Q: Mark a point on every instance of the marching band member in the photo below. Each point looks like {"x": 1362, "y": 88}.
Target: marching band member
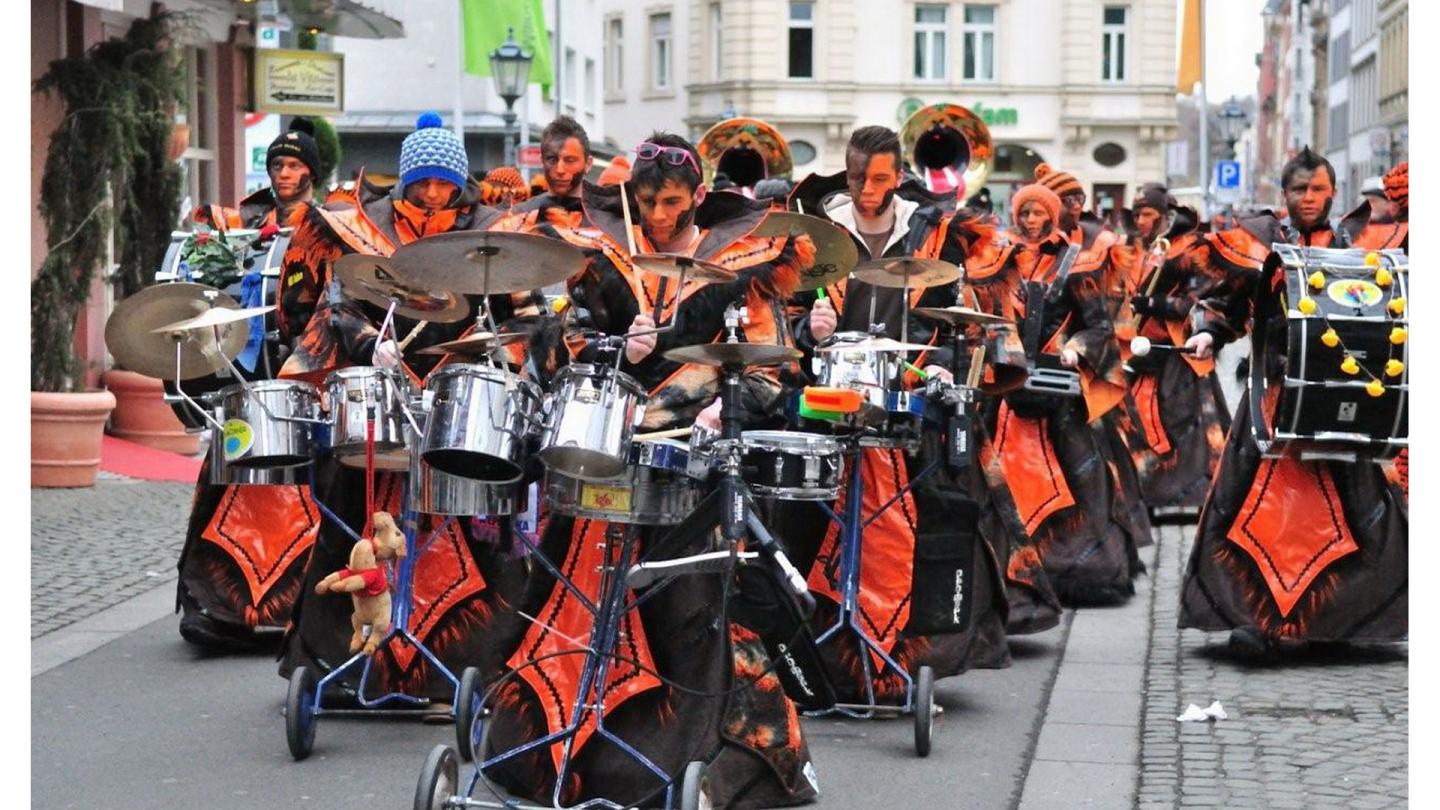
{"x": 762, "y": 756}
{"x": 461, "y": 581}
{"x": 246, "y": 546}
{"x": 1287, "y": 549}
{"x": 886, "y": 220}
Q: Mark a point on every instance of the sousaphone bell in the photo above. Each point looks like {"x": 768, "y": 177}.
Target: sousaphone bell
{"x": 949, "y": 147}
{"x": 747, "y": 150}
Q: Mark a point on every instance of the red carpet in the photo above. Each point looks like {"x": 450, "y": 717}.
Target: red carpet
{"x": 138, "y": 461}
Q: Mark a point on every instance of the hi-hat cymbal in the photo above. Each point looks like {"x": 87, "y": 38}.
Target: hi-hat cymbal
{"x": 907, "y": 271}
{"x": 376, "y": 279}
{"x": 132, "y": 333}
{"x": 960, "y": 316}
{"x": 517, "y": 262}
{"x": 874, "y": 345}
{"x": 476, "y": 344}
{"x": 725, "y": 354}
{"x": 835, "y": 251}
{"x": 670, "y": 265}
{"x": 218, "y": 316}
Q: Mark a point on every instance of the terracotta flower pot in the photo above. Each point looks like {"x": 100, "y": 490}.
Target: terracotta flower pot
{"x": 143, "y": 416}
{"x": 65, "y": 433}
{"x": 179, "y": 140}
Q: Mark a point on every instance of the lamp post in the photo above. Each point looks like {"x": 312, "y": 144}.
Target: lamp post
{"x": 510, "y": 67}
{"x": 1232, "y": 122}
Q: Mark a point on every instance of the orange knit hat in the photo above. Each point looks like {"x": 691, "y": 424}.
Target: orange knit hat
{"x": 1397, "y": 185}
{"x": 1036, "y": 193}
{"x": 1061, "y": 183}
{"x": 616, "y": 173}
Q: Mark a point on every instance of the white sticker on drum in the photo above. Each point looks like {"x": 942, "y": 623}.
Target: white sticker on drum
{"x": 1347, "y": 411}
{"x": 237, "y": 437}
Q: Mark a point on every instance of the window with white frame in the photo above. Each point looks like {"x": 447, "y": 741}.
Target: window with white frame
{"x": 802, "y": 41}
{"x": 199, "y": 162}
{"x": 1112, "y": 50}
{"x": 615, "y": 55}
{"x": 660, "y": 52}
{"x": 717, "y": 44}
{"x": 589, "y": 85}
{"x": 930, "y": 25}
{"x": 979, "y": 36}
{"x": 572, "y": 87}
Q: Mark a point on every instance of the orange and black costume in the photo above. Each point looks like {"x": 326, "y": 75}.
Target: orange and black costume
{"x": 1286, "y": 548}
{"x": 737, "y": 717}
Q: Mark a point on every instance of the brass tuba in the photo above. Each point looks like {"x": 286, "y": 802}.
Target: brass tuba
{"x": 747, "y": 150}
{"x": 947, "y": 136}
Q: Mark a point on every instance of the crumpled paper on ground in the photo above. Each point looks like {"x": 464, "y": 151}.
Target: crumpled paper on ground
{"x": 1195, "y": 714}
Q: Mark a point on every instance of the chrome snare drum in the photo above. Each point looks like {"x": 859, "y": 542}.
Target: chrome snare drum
{"x": 869, "y": 372}
{"x": 266, "y": 424}
{"x": 654, "y": 490}
{"x": 480, "y": 418}
{"x": 589, "y": 422}
{"x": 348, "y": 392}
{"x": 791, "y": 465}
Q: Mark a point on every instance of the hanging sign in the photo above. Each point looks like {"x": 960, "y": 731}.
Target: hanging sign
{"x": 299, "y": 82}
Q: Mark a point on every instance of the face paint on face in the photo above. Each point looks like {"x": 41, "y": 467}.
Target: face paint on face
{"x": 1034, "y": 221}
{"x": 1308, "y": 197}
{"x": 431, "y": 193}
{"x": 872, "y": 180}
{"x": 289, "y": 178}
{"x": 1148, "y": 221}
{"x": 666, "y": 214}
{"x": 1072, "y": 205}
{"x": 565, "y": 166}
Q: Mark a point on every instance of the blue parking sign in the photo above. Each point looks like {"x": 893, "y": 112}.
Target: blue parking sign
{"x": 1227, "y": 174}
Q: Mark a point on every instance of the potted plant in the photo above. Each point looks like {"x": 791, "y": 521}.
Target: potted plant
{"x": 107, "y": 174}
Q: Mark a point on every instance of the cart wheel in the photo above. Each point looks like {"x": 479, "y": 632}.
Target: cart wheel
{"x": 300, "y": 713}
{"x": 695, "y": 788}
{"x": 467, "y": 706}
{"x": 439, "y": 779}
{"x": 924, "y": 706}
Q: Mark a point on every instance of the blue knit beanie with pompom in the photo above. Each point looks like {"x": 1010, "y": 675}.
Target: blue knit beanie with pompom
{"x": 432, "y": 151}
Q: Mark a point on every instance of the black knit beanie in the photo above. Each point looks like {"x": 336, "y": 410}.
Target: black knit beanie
{"x": 298, "y": 142}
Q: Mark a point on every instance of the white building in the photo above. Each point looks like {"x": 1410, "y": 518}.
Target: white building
{"x": 1087, "y": 87}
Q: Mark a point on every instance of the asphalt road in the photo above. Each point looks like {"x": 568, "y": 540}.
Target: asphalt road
{"x": 144, "y": 722}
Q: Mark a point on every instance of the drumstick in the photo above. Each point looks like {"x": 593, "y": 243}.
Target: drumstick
{"x": 977, "y": 367}
{"x": 625, "y": 208}
{"x": 414, "y": 333}
{"x": 674, "y": 433}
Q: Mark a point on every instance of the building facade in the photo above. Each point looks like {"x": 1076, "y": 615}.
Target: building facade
{"x": 1395, "y": 78}
{"x": 1086, "y": 87}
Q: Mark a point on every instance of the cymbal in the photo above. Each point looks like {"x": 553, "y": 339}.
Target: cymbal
{"x": 219, "y": 316}
{"x": 960, "y": 316}
{"x": 835, "y": 251}
{"x": 873, "y": 345}
{"x": 895, "y": 272}
{"x": 724, "y": 354}
{"x": 377, "y": 280}
{"x": 670, "y": 265}
{"x": 134, "y": 335}
{"x": 517, "y": 262}
{"x": 476, "y": 344}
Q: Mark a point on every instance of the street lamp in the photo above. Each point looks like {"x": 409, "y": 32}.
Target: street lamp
{"x": 1232, "y": 122}
{"x": 510, "y": 67}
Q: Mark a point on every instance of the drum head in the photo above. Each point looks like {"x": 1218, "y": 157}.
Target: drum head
{"x": 473, "y": 465}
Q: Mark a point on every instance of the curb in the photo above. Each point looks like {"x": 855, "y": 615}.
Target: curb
{"x": 64, "y": 645}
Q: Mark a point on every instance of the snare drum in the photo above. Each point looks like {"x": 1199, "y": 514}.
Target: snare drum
{"x": 480, "y": 418}
{"x": 590, "y": 419}
{"x": 870, "y": 373}
{"x": 792, "y": 466}
{"x": 655, "y": 490}
{"x": 348, "y": 392}
{"x": 257, "y": 431}
{"x": 1320, "y": 407}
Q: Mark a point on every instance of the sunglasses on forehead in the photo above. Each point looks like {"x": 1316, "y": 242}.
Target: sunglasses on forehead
{"x": 674, "y": 155}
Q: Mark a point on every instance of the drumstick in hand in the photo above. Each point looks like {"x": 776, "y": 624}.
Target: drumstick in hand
{"x": 414, "y": 333}
{"x": 977, "y": 367}
{"x": 673, "y": 433}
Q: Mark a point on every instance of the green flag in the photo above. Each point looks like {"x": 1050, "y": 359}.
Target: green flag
{"x": 487, "y": 22}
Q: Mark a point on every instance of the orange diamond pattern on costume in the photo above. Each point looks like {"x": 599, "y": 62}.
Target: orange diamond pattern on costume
{"x": 1292, "y": 526}
{"x": 445, "y": 576}
{"x": 264, "y": 530}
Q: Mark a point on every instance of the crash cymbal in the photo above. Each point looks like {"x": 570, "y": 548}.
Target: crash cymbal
{"x": 376, "y": 279}
{"x": 218, "y": 316}
{"x": 960, "y": 316}
{"x": 132, "y": 333}
{"x": 670, "y": 265}
{"x": 874, "y": 345}
{"x": 897, "y": 271}
{"x": 517, "y": 262}
{"x": 724, "y": 354}
{"x": 476, "y": 344}
{"x": 835, "y": 251}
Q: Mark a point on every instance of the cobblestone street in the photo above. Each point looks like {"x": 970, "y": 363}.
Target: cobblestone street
{"x": 93, "y": 548}
{"x": 1327, "y": 728}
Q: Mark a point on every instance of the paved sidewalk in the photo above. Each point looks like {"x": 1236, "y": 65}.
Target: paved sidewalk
{"x": 1325, "y": 729}
{"x": 93, "y": 548}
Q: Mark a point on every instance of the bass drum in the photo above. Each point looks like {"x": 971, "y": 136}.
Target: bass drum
{"x": 268, "y": 257}
{"x": 1333, "y": 381}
